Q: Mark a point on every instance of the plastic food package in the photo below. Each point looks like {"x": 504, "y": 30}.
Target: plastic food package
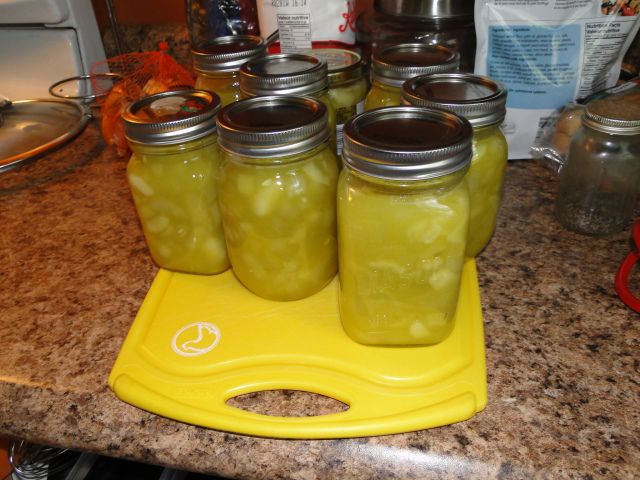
{"x": 548, "y": 55}
{"x": 141, "y": 74}
{"x": 306, "y": 24}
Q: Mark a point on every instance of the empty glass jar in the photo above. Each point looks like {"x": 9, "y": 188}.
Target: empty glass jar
{"x": 598, "y": 184}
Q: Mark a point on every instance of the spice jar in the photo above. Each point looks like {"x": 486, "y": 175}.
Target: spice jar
{"x": 394, "y": 65}
{"x": 347, "y": 85}
{"x": 217, "y": 64}
{"x": 277, "y": 195}
{"x": 289, "y": 74}
{"x": 172, "y": 174}
{"x": 482, "y": 101}
{"x": 403, "y": 217}
{"x": 598, "y": 184}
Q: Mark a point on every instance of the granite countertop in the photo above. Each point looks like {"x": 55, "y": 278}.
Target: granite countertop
{"x": 561, "y": 349}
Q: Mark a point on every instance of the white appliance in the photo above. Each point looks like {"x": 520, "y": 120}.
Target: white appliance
{"x": 44, "y": 41}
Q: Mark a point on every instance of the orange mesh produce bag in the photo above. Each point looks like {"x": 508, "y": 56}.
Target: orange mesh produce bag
{"x": 141, "y": 74}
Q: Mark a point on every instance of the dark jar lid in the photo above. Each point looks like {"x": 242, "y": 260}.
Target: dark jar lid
{"x": 407, "y": 143}
{"x": 228, "y": 53}
{"x": 267, "y": 127}
{"x": 395, "y": 64}
{"x": 171, "y": 117}
{"x": 283, "y": 74}
{"x": 479, "y": 99}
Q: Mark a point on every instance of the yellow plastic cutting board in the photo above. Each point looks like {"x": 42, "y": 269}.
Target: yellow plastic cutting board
{"x": 198, "y": 341}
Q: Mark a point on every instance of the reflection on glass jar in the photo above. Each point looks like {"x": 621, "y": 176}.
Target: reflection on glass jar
{"x": 403, "y": 213}
{"x": 482, "y": 101}
{"x": 277, "y": 195}
{"x": 172, "y": 174}
{"x": 599, "y": 183}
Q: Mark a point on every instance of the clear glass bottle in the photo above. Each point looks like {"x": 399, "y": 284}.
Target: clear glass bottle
{"x": 289, "y": 74}
{"x": 598, "y": 185}
{"x": 394, "y": 65}
{"x": 217, "y": 64}
{"x": 172, "y": 174}
{"x": 347, "y": 85}
{"x": 403, "y": 217}
{"x": 278, "y": 195}
{"x": 482, "y": 101}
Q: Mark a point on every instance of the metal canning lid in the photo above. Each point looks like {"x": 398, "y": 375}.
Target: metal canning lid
{"x": 407, "y": 143}
{"x": 431, "y": 9}
{"x": 271, "y": 126}
{"x": 342, "y": 65}
{"x": 395, "y": 64}
{"x": 171, "y": 117}
{"x": 283, "y": 74}
{"x": 479, "y": 99}
{"x": 227, "y": 53}
{"x": 615, "y": 116}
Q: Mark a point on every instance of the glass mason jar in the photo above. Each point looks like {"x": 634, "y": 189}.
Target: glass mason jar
{"x": 394, "y": 65}
{"x": 217, "y": 64}
{"x": 403, "y": 217}
{"x": 289, "y": 74}
{"x": 347, "y": 85}
{"x": 278, "y": 195}
{"x": 172, "y": 174}
{"x": 482, "y": 101}
{"x": 598, "y": 184}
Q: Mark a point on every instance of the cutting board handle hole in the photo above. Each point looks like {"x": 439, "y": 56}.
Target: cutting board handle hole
{"x": 287, "y": 403}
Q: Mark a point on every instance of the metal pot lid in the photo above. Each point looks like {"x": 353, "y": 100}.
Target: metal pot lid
{"x": 31, "y": 128}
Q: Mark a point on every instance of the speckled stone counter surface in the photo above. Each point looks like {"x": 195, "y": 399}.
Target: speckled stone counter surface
{"x": 561, "y": 349}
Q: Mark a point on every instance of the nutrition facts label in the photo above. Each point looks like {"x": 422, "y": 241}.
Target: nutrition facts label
{"x": 295, "y": 32}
